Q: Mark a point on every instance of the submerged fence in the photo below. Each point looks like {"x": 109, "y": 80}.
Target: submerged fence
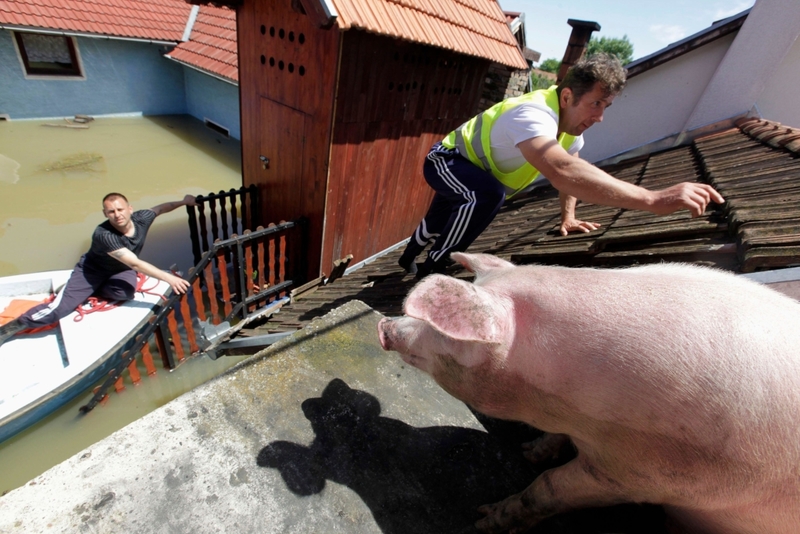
{"x": 233, "y": 279}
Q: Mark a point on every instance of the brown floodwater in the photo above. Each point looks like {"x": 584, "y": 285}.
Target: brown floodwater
{"x": 52, "y": 180}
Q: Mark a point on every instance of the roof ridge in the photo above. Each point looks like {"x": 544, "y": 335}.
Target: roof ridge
{"x": 771, "y": 133}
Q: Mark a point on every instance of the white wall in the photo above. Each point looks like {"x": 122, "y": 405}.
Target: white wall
{"x": 755, "y": 70}
{"x": 656, "y": 103}
{"x": 753, "y": 60}
{"x": 780, "y": 100}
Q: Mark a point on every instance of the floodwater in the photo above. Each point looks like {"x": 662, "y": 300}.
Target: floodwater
{"x": 52, "y": 181}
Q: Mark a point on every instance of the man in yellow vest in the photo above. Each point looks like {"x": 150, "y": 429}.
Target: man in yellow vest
{"x": 509, "y": 148}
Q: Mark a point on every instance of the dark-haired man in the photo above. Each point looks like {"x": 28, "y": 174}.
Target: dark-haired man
{"x": 108, "y": 270}
{"x": 509, "y": 149}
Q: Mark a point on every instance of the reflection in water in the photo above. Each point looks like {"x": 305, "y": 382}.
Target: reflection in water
{"x": 52, "y": 181}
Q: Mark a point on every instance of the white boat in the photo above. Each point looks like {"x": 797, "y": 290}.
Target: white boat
{"x": 43, "y": 371}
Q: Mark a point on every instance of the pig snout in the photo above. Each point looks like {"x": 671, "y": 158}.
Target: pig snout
{"x": 386, "y": 333}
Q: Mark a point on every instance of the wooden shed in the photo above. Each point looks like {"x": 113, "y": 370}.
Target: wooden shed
{"x": 340, "y": 101}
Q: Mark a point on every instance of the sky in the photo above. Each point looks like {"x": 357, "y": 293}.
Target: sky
{"x": 649, "y": 24}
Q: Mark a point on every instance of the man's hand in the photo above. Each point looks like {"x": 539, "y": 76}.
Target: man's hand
{"x": 178, "y": 284}
{"x": 166, "y": 207}
{"x": 576, "y": 225}
{"x": 687, "y": 195}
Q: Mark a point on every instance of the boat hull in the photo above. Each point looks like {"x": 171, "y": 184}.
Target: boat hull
{"x": 41, "y": 372}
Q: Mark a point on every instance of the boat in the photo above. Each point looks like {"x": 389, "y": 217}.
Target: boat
{"x": 42, "y": 371}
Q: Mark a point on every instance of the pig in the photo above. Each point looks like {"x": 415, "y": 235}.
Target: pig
{"x": 677, "y": 385}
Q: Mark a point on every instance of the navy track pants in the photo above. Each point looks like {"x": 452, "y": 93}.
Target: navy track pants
{"x": 82, "y": 284}
{"x": 467, "y": 200}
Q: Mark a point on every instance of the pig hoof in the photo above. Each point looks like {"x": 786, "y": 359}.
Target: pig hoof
{"x": 505, "y": 516}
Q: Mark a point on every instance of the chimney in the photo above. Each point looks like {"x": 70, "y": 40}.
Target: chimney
{"x": 581, "y": 32}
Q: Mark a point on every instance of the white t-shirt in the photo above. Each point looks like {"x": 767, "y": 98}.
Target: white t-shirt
{"x": 521, "y": 123}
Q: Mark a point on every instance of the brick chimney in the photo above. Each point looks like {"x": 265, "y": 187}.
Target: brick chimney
{"x": 581, "y": 32}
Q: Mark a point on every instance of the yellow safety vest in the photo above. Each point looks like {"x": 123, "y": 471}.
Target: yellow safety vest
{"x": 473, "y": 138}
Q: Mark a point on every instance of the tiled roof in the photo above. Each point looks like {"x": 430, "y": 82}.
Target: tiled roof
{"x": 471, "y": 27}
{"x": 755, "y": 166}
{"x": 161, "y": 20}
{"x": 212, "y": 44}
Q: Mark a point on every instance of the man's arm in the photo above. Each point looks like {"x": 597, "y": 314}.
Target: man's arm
{"x": 569, "y": 223}
{"x": 576, "y": 177}
{"x": 178, "y": 284}
{"x": 167, "y": 207}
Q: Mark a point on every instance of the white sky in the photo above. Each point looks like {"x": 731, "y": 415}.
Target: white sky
{"x": 649, "y": 24}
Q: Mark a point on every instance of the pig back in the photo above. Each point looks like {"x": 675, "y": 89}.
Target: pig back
{"x": 668, "y": 349}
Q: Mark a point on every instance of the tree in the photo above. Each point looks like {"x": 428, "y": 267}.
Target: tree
{"x": 550, "y": 65}
{"x": 622, "y": 48}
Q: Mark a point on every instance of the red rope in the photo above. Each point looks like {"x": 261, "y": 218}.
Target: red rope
{"x": 95, "y": 304}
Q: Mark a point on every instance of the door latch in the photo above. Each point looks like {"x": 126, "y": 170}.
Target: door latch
{"x": 264, "y": 162}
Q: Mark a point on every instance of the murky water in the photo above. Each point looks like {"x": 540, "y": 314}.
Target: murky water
{"x": 52, "y": 180}
{"x": 67, "y": 432}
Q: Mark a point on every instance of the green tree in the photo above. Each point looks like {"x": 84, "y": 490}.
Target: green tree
{"x": 550, "y": 65}
{"x": 622, "y": 48}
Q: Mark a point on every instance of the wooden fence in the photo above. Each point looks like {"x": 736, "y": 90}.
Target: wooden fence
{"x": 236, "y": 277}
{"x": 220, "y": 216}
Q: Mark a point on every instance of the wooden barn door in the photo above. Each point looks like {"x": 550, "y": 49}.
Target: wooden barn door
{"x": 282, "y": 140}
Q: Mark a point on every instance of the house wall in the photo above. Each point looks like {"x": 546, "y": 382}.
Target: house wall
{"x": 395, "y": 100}
{"x": 120, "y": 77}
{"x": 210, "y": 98}
{"x": 754, "y": 59}
{"x": 287, "y": 76}
{"x": 779, "y": 101}
{"x": 655, "y": 104}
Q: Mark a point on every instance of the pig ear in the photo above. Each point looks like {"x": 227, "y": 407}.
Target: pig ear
{"x": 480, "y": 263}
{"x": 455, "y": 308}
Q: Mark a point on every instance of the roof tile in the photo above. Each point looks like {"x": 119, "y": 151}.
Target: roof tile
{"x": 152, "y": 19}
{"x": 471, "y": 27}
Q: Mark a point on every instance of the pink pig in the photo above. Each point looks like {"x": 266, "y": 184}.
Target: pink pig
{"x": 678, "y": 385}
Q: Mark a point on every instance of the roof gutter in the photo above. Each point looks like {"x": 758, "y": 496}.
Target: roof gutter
{"x": 89, "y": 35}
{"x": 198, "y": 69}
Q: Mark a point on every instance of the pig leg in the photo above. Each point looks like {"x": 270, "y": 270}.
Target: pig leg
{"x": 549, "y": 447}
{"x": 576, "y": 484}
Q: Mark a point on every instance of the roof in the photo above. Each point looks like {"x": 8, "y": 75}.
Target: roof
{"x": 161, "y": 20}
{"x": 471, "y": 27}
{"x": 755, "y": 166}
{"x": 718, "y": 29}
{"x": 211, "y": 47}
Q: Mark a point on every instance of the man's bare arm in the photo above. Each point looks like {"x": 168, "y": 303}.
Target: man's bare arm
{"x": 167, "y": 207}
{"x": 576, "y": 177}
{"x": 570, "y": 223}
{"x": 178, "y": 284}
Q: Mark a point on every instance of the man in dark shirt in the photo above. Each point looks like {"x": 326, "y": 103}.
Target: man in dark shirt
{"x": 108, "y": 270}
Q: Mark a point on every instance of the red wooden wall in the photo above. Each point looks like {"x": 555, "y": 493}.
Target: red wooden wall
{"x": 287, "y": 74}
{"x": 395, "y": 99}
{"x": 345, "y": 134}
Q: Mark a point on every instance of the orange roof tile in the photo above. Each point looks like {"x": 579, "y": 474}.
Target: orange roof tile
{"x": 472, "y": 27}
{"x": 212, "y": 44}
{"x": 160, "y": 20}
